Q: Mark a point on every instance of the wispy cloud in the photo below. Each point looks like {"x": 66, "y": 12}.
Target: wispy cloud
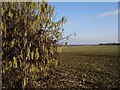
{"x": 110, "y": 13}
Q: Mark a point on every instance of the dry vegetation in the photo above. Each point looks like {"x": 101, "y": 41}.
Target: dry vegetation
{"x": 29, "y": 52}
{"x": 91, "y": 67}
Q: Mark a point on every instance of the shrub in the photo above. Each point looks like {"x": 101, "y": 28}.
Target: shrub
{"x": 30, "y": 37}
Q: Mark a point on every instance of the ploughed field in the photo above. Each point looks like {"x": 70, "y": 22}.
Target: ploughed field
{"x": 91, "y": 67}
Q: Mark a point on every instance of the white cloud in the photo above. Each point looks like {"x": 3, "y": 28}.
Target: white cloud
{"x": 111, "y": 13}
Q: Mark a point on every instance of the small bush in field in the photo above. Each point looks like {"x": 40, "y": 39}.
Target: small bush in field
{"x": 29, "y": 42}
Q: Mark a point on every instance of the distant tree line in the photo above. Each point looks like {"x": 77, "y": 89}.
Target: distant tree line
{"x": 109, "y": 44}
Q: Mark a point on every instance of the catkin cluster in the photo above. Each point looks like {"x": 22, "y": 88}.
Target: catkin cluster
{"x": 30, "y": 36}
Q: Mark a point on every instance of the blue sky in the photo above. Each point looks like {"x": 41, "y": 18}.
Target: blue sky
{"x": 93, "y": 22}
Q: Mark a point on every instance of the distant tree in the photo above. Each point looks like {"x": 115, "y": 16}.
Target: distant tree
{"x": 29, "y": 42}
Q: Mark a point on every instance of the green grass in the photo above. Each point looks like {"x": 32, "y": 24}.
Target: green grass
{"x": 97, "y": 65}
{"x": 92, "y": 50}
